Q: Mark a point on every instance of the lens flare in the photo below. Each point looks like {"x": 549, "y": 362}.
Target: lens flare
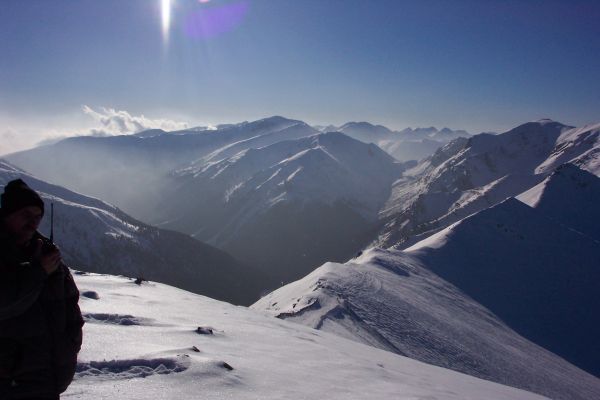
{"x": 166, "y": 18}
{"x": 208, "y": 22}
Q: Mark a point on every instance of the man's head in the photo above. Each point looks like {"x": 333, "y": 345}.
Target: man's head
{"x": 22, "y": 210}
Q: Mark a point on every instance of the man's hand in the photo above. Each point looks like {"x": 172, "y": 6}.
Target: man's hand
{"x": 50, "y": 260}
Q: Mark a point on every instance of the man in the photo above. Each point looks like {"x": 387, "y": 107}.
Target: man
{"x": 40, "y": 321}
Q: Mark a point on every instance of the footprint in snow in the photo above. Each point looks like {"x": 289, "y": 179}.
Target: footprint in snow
{"x": 132, "y": 368}
{"x": 116, "y": 319}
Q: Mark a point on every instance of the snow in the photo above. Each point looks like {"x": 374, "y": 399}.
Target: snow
{"x": 466, "y": 176}
{"x": 530, "y": 268}
{"x": 248, "y": 356}
{"x": 575, "y": 145}
{"x": 510, "y": 258}
{"x": 322, "y": 169}
{"x": 390, "y": 300}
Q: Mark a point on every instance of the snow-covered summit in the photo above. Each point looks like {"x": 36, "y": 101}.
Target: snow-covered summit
{"x": 262, "y": 139}
{"x": 366, "y": 132}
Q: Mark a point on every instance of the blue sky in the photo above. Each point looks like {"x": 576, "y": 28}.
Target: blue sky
{"x": 476, "y": 65}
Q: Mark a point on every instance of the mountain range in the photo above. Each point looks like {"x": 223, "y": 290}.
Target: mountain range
{"x": 469, "y": 175}
{"x": 485, "y": 250}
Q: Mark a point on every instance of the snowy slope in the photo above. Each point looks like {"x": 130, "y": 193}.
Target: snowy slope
{"x": 321, "y": 168}
{"x": 296, "y": 203}
{"x": 466, "y": 176}
{"x": 570, "y": 196}
{"x": 390, "y": 300}
{"x": 296, "y": 131}
{"x": 579, "y": 145}
{"x": 535, "y": 274}
{"x": 468, "y": 202}
{"x": 138, "y": 344}
{"x": 96, "y": 236}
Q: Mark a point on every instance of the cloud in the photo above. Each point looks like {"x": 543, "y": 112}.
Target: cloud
{"x": 23, "y": 133}
{"x": 6, "y": 140}
{"x": 118, "y": 122}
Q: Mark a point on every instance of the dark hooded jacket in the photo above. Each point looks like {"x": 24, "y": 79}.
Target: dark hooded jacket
{"x": 40, "y": 325}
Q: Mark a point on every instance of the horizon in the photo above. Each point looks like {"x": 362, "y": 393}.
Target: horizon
{"x": 96, "y": 133}
{"x": 119, "y": 67}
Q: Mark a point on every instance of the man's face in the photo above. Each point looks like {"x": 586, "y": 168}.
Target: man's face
{"x": 23, "y": 223}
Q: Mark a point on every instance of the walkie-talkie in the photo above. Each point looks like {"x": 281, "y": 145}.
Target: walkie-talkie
{"x": 48, "y": 244}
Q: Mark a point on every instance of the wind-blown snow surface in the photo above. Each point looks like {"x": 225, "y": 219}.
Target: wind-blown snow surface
{"x": 248, "y": 356}
{"x": 390, "y": 300}
{"x": 96, "y": 236}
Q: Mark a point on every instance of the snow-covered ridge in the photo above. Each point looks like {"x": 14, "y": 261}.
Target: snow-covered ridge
{"x": 322, "y": 168}
{"x": 577, "y": 145}
{"x": 466, "y": 176}
{"x": 148, "y": 347}
{"x": 536, "y": 274}
{"x": 390, "y": 300}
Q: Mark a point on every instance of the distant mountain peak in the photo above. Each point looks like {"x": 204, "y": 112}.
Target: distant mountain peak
{"x": 357, "y": 123}
{"x": 364, "y": 125}
{"x": 546, "y": 121}
{"x": 543, "y": 123}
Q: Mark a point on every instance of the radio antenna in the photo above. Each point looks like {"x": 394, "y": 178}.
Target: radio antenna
{"x": 52, "y": 222}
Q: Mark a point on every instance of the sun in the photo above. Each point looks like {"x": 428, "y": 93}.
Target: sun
{"x": 166, "y": 18}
